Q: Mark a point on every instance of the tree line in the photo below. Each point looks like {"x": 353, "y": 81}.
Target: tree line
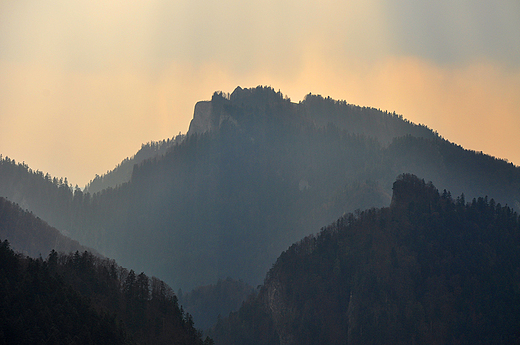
{"x": 80, "y": 298}
{"x": 429, "y": 269}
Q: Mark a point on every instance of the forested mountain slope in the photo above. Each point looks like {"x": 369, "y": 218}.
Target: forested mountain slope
{"x": 30, "y": 235}
{"x": 50, "y": 198}
{"x": 255, "y": 173}
{"x": 207, "y": 303}
{"x": 429, "y": 269}
{"x": 83, "y": 299}
{"x": 123, "y": 171}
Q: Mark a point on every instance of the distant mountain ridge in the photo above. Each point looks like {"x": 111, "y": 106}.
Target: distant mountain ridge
{"x": 32, "y": 236}
{"x": 123, "y": 171}
{"x": 207, "y": 303}
{"x": 255, "y": 173}
{"x": 314, "y": 110}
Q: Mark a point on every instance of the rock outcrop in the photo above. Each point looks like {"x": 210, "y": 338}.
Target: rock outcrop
{"x": 201, "y": 121}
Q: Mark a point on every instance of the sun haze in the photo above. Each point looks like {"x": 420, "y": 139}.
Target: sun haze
{"x": 84, "y": 83}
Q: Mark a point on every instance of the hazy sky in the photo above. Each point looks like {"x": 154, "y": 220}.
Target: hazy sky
{"x": 84, "y": 83}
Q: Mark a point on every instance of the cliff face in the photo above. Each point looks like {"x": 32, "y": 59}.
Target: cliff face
{"x": 275, "y": 301}
{"x": 246, "y": 108}
{"x": 209, "y": 116}
{"x": 201, "y": 121}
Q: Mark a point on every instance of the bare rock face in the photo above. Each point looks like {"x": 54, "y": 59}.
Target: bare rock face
{"x": 201, "y": 121}
{"x": 279, "y": 311}
{"x": 209, "y": 116}
{"x": 222, "y": 109}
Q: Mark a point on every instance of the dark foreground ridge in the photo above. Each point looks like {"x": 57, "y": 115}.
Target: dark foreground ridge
{"x": 83, "y": 299}
{"x": 429, "y": 269}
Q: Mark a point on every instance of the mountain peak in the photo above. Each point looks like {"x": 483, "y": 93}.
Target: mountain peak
{"x": 408, "y": 189}
{"x": 264, "y": 109}
{"x": 259, "y": 94}
{"x": 209, "y": 115}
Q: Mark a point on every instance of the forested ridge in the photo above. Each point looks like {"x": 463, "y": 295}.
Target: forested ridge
{"x": 255, "y": 173}
{"x": 31, "y": 235}
{"x": 429, "y": 269}
{"x": 123, "y": 171}
{"x": 79, "y": 298}
{"x": 207, "y": 303}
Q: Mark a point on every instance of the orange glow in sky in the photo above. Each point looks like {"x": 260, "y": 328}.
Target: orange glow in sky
{"x": 84, "y": 83}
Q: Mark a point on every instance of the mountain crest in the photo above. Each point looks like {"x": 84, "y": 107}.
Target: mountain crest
{"x": 408, "y": 189}
{"x": 210, "y": 115}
